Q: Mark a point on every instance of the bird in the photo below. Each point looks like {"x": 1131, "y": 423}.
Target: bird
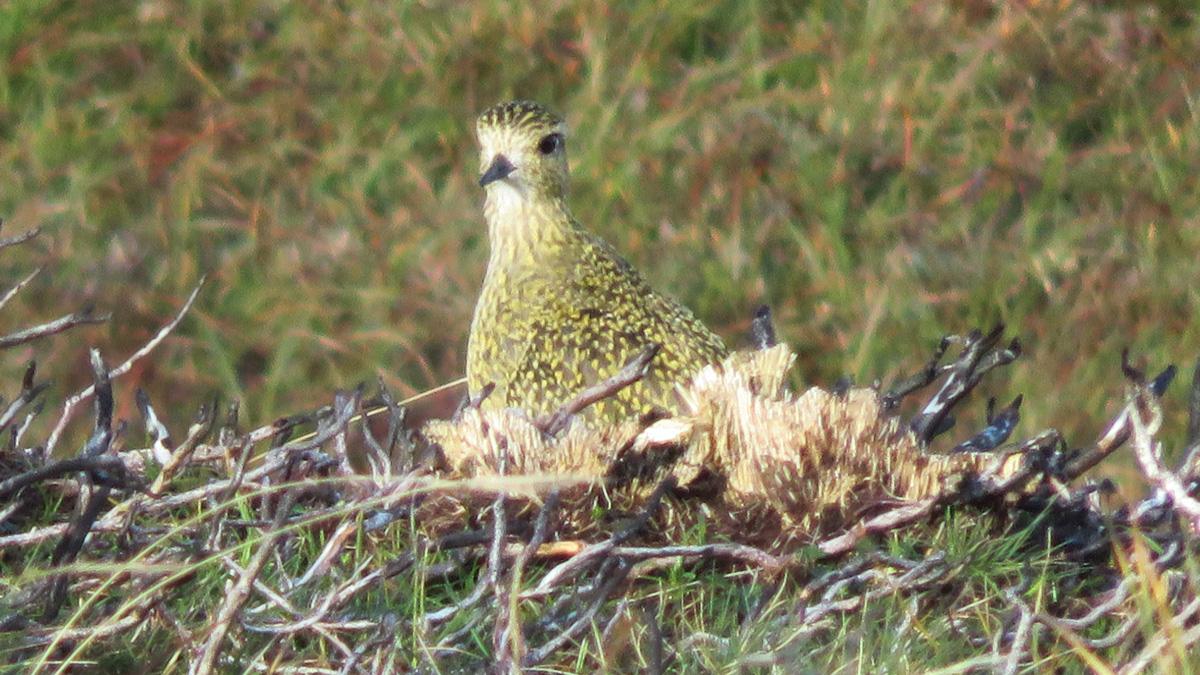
{"x": 560, "y": 310}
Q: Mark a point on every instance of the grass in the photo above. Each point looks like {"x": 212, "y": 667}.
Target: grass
{"x": 879, "y": 174}
{"x": 701, "y": 612}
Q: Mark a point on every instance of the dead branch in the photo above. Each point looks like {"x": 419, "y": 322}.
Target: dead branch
{"x": 95, "y": 498}
{"x": 511, "y": 647}
{"x": 736, "y": 552}
{"x": 178, "y": 458}
{"x": 237, "y": 596}
{"x": 595, "y": 553}
{"x": 875, "y": 584}
{"x": 328, "y": 555}
{"x": 492, "y": 574}
{"x": 12, "y": 292}
{"x": 1019, "y": 647}
{"x": 71, "y": 403}
{"x": 29, "y": 393}
{"x": 20, "y": 238}
{"x": 979, "y": 355}
{"x": 904, "y": 515}
{"x": 603, "y": 589}
{"x": 762, "y": 328}
{"x": 1043, "y": 455}
{"x": 1000, "y": 427}
{"x": 922, "y": 378}
{"x": 84, "y": 316}
{"x": 1146, "y": 418}
{"x": 380, "y": 456}
{"x": 1157, "y": 643}
{"x": 631, "y": 372}
{"x": 108, "y": 629}
{"x": 154, "y": 427}
{"x": 106, "y": 464}
{"x": 277, "y": 460}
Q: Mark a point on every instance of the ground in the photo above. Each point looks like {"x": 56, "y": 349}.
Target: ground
{"x": 878, "y": 174}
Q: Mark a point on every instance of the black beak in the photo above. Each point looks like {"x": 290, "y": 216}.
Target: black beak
{"x": 499, "y": 170}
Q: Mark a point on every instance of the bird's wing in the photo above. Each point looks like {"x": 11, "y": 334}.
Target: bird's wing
{"x": 601, "y": 316}
{"x": 581, "y": 338}
{"x": 574, "y": 347}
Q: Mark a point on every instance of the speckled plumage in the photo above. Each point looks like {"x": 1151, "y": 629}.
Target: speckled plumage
{"x": 560, "y": 309}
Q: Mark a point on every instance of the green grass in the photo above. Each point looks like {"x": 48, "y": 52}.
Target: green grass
{"x": 701, "y": 611}
{"x": 878, "y": 174}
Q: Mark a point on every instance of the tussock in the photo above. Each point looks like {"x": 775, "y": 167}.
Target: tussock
{"x": 743, "y": 440}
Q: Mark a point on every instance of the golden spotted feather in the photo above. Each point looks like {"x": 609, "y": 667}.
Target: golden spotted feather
{"x": 560, "y": 309}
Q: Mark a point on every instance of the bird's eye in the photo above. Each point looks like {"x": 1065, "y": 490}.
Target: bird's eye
{"x": 550, "y": 143}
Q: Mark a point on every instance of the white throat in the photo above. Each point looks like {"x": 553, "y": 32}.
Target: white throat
{"x": 505, "y": 199}
{"x": 509, "y": 214}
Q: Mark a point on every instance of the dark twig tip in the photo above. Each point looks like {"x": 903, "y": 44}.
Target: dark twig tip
{"x": 142, "y": 399}
{"x": 1193, "y": 427}
{"x": 762, "y": 328}
{"x": 27, "y": 378}
{"x": 1131, "y": 373}
{"x": 1158, "y": 386}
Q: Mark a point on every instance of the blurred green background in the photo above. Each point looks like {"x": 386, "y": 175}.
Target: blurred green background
{"x": 878, "y": 173}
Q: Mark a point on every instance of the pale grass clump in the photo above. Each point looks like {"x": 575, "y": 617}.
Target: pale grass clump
{"x": 811, "y": 459}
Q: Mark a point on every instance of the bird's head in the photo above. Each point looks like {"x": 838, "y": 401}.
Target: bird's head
{"x": 522, "y": 151}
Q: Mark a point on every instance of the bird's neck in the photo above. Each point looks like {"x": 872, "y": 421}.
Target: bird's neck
{"x": 526, "y": 228}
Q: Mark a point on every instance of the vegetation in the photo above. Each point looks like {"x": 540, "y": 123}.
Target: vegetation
{"x": 878, "y": 174}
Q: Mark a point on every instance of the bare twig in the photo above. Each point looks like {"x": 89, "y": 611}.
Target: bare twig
{"x": 158, "y": 432}
{"x": 512, "y": 642}
{"x": 108, "y": 464}
{"x": 976, "y": 359}
{"x": 1156, "y": 644}
{"x": 333, "y": 547}
{"x": 1104, "y": 610}
{"x": 20, "y": 238}
{"x": 990, "y": 485}
{"x": 68, "y": 548}
{"x": 604, "y": 588}
{"x": 495, "y": 560}
{"x": 179, "y": 457}
{"x": 62, "y": 323}
{"x": 95, "y": 499}
{"x": 29, "y": 392}
{"x": 1149, "y": 453}
{"x": 69, "y": 405}
{"x": 908, "y": 513}
{"x": 12, "y": 292}
{"x": 108, "y": 629}
{"x": 1000, "y": 427}
{"x": 277, "y": 460}
{"x": 472, "y": 401}
{"x": 602, "y": 550}
{"x": 922, "y": 378}
{"x": 237, "y": 596}
{"x": 737, "y": 552}
{"x": 380, "y": 455}
{"x": 875, "y": 583}
{"x": 762, "y": 328}
{"x": 1021, "y": 636}
{"x": 631, "y": 372}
